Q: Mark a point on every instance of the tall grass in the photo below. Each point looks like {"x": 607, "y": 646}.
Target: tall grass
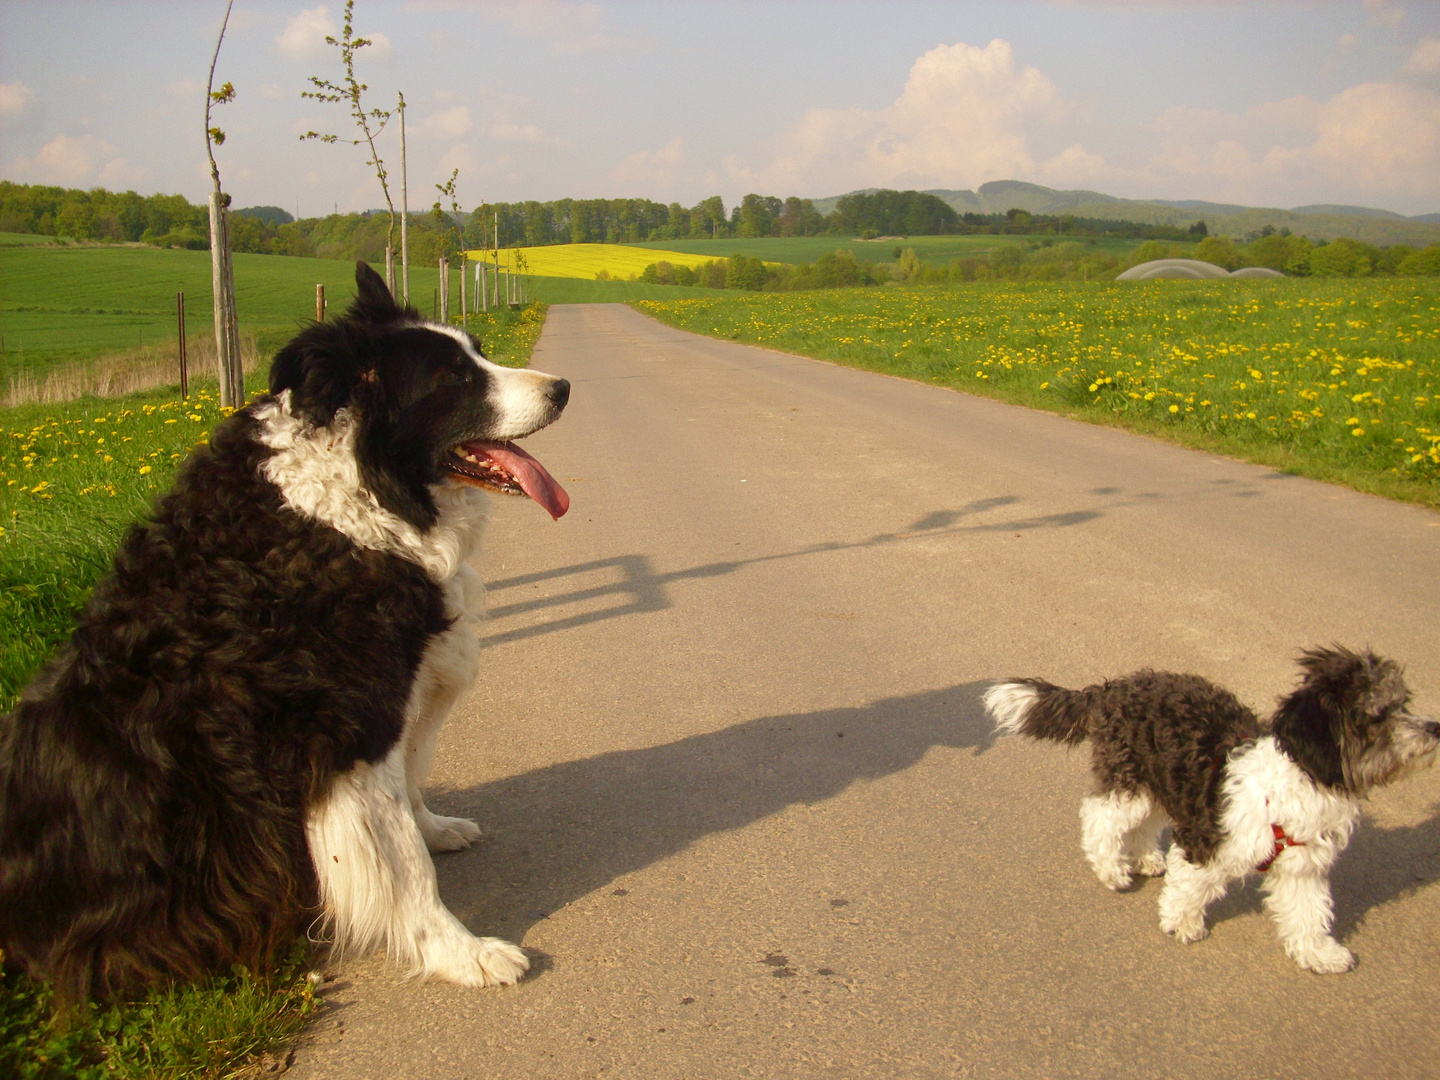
{"x": 1337, "y": 379}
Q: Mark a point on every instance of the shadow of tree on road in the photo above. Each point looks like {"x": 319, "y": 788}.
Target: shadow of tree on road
{"x": 564, "y": 831}
{"x": 637, "y": 587}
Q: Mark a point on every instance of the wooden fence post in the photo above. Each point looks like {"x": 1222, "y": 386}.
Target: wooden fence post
{"x": 463, "y": 312}
{"x": 319, "y": 302}
{"x": 180, "y": 319}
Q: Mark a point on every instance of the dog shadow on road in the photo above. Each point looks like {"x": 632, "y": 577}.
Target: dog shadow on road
{"x": 561, "y": 832}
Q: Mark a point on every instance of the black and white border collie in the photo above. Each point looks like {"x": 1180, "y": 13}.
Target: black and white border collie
{"x": 1281, "y": 799}
{"x": 235, "y": 737}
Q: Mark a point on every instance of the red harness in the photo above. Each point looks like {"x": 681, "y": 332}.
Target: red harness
{"x": 1282, "y": 841}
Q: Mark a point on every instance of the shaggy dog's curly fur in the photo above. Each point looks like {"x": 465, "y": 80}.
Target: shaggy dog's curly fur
{"x": 1281, "y": 798}
{"x": 234, "y": 738}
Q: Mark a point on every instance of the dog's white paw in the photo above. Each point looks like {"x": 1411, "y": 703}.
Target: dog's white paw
{"x": 446, "y": 833}
{"x": 1113, "y": 876}
{"x": 1185, "y": 926}
{"x": 1327, "y": 958}
{"x": 480, "y": 961}
{"x": 1188, "y": 935}
{"x": 1151, "y": 864}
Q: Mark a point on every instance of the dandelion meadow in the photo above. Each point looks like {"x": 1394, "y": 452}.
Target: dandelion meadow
{"x": 72, "y": 476}
{"x": 1333, "y": 379}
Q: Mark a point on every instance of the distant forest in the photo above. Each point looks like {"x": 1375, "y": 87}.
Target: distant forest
{"x": 172, "y": 221}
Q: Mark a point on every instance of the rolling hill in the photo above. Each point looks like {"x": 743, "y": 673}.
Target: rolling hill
{"x": 1318, "y": 222}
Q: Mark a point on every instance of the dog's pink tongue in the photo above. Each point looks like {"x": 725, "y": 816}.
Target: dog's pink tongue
{"x": 532, "y": 477}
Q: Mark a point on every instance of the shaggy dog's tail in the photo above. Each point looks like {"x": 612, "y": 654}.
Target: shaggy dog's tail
{"x": 1040, "y": 710}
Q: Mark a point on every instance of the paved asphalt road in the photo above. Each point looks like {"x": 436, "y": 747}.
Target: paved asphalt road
{"x": 741, "y": 802}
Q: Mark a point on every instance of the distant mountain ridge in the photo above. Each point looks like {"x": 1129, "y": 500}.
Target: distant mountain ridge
{"x": 1321, "y": 221}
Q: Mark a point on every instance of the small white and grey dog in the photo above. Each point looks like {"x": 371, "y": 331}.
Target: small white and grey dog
{"x": 1243, "y": 797}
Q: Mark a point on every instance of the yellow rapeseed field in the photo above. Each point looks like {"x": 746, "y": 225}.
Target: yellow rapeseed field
{"x": 586, "y": 260}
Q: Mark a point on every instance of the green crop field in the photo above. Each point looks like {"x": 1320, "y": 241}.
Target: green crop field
{"x": 60, "y": 305}
{"x": 1337, "y": 379}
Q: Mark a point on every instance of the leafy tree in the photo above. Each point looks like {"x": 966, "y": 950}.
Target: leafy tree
{"x": 1219, "y": 250}
{"x": 745, "y": 272}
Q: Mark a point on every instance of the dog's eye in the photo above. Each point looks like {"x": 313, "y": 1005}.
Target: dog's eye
{"x": 453, "y": 378}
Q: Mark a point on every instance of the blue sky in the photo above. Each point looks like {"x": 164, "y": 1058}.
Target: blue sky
{"x": 1275, "y": 104}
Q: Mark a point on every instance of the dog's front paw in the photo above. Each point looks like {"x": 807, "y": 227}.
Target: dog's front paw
{"x": 446, "y": 833}
{"x": 485, "y": 961}
{"x": 1188, "y": 935}
{"x": 1117, "y": 878}
{"x": 1327, "y": 958}
{"x": 1186, "y": 927}
{"x": 1151, "y": 864}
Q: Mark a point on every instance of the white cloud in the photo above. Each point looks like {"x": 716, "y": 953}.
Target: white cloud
{"x": 304, "y": 36}
{"x": 75, "y": 161}
{"x": 450, "y": 124}
{"x": 1425, "y": 60}
{"x": 15, "y": 98}
{"x": 527, "y": 133}
{"x": 961, "y": 120}
{"x": 1375, "y": 141}
{"x": 968, "y": 115}
{"x": 652, "y": 170}
{"x": 1383, "y": 11}
{"x": 379, "y": 48}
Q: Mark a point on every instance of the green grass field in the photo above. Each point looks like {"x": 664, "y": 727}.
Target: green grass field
{"x": 59, "y": 305}
{"x": 16, "y": 239}
{"x": 1335, "y": 379}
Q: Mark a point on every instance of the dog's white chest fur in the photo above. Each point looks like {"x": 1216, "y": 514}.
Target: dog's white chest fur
{"x": 319, "y": 477}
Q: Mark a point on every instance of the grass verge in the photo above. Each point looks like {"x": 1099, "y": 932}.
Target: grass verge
{"x": 214, "y": 1028}
{"x": 1332, "y": 379}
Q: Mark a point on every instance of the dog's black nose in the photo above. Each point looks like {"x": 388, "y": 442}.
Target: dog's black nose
{"x": 560, "y": 392}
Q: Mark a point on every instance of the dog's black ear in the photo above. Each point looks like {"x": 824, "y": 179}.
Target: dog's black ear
{"x": 1304, "y": 730}
{"x": 373, "y": 302}
{"x": 322, "y": 368}
{"x": 1343, "y": 698}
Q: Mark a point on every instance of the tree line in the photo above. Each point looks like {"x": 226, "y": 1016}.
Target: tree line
{"x": 171, "y": 221}
{"x": 1057, "y": 252}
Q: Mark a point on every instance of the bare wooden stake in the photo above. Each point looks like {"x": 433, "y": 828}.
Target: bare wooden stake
{"x": 180, "y": 321}
{"x": 463, "y": 312}
{"x": 319, "y": 302}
